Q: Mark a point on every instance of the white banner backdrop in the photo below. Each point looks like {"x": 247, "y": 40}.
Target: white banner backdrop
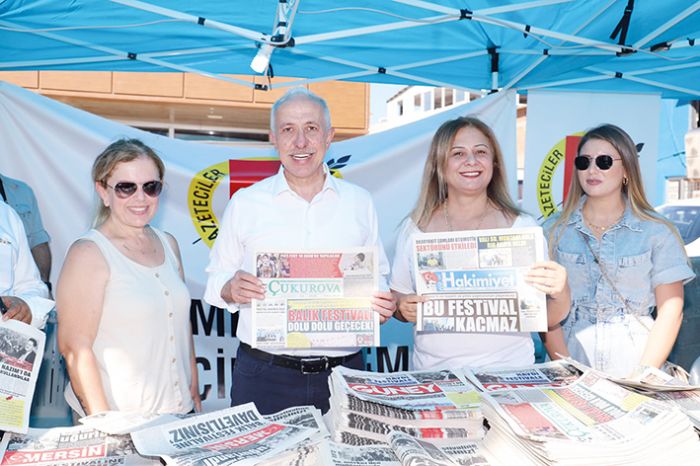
{"x": 52, "y": 146}
{"x": 555, "y": 123}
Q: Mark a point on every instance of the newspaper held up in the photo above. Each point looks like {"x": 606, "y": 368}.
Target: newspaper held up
{"x": 474, "y": 281}
{"x": 316, "y": 299}
{"x": 21, "y": 351}
{"x": 233, "y": 436}
{"x": 70, "y": 446}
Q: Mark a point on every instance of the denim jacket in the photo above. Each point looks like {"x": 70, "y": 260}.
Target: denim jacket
{"x": 637, "y": 255}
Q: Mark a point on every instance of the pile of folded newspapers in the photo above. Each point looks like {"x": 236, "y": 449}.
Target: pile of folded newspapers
{"x": 548, "y": 414}
{"x": 438, "y": 405}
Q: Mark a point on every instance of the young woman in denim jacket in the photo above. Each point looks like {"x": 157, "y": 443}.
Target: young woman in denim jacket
{"x": 622, "y": 260}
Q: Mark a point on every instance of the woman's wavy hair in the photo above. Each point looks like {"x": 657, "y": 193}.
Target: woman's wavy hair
{"x": 123, "y": 150}
{"x": 433, "y": 192}
{"x": 632, "y": 189}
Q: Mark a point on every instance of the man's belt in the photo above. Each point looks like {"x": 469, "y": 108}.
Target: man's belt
{"x": 306, "y": 364}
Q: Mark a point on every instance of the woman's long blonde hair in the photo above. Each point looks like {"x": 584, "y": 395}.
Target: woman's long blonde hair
{"x": 632, "y": 189}
{"x": 433, "y": 192}
{"x": 123, "y": 150}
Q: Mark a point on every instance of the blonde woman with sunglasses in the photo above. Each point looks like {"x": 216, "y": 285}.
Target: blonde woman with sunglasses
{"x": 622, "y": 260}
{"x": 123, "y": 306}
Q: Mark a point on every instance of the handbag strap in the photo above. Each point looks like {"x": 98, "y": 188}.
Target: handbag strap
{"x": 604, "y": 272}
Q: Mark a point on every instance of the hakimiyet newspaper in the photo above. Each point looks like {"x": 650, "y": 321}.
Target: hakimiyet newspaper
{"x": 234, "y": 436}
{"x": 416, "y": 452}
{"x": 557, "y": 373}
{"x": 70, "y": 446}
{"x": 591, "y": 421}
{"x": 316, "y": 299}
{"x": 21, "y": 350}
{"x": 370, "y": 455}
{"x": 311, "y": 451}
{"x": 366, "y": 406}
{"x": 474, "y": 281}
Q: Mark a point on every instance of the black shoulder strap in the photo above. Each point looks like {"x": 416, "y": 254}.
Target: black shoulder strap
{"x": 2, "y": 191}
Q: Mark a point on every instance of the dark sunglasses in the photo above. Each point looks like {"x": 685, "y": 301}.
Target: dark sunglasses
{"x": 125, "y": 189}
{"x": 604, "y": 162}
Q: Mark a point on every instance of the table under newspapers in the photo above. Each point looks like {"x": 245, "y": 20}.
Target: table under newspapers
{"x": 553, "y": 413}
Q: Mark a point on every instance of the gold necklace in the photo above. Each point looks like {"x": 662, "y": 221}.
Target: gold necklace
{"x": 448, "y": 223}
{"x": 606, "y": 227}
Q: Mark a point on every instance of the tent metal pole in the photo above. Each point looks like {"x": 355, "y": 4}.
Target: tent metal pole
{"x": 525, "y": 72}
{"x": 660, "y": 69}
{"x": 439, "y": 60}
{"x": 667, "y": 25}
{"x": 126, "y": 56}
{"x": 247, "y": 33}
{"x": 556, "y": 51}
{"x": 66, "y": 61}
{"x": 335, "y": 77}
{"x": 567, "y": 82}
{"x": 671, "y": 87}
{"x": 484, "y": 11}
{"x": 311, "y": 38}
{"x": 431, "y": 82}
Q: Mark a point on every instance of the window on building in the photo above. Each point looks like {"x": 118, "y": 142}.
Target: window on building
{"x": 460, "y": 95}
{"x": 417, "y": 102}
{"x": 399, "y": 107}
{"x": 437, "y": 98}
{"x": 449, "y": 97}
{"x": 427, "y": 101}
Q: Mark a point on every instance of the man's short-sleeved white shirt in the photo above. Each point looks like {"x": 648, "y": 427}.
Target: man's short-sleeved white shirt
{"x": 270, "y": 216}
{"x": 19, "y": 275}
{"x": 458, "y": 350}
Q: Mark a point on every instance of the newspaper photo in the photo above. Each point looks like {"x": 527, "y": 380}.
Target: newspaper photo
{"x": 550, "y": 374}
{"x": 416, "y": 452}
{"x": 70, "y": 446}
{"x": 233, "y": 436}
{"x": 316, "y": 299}
{"x": 21, "y": 351}
{"x": 474, "y": 281}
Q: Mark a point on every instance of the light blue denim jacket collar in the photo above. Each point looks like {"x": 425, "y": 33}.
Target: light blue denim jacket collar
{"x": 629, "y": 220}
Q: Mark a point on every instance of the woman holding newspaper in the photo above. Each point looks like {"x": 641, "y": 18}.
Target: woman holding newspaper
{"x": 464, "y": 188}
{"x": 123, "y": 306}
{"x": 622, "y": 259}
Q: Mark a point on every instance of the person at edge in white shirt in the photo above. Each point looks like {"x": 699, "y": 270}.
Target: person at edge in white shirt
{"x": 21, "y": 289}
{"x": 464, "y": 188}
{"x": 301, "y": 207}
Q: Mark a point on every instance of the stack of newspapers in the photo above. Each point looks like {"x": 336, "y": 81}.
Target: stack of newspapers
{"x": 547, "y": 414}
{"x": 438, "y": 405}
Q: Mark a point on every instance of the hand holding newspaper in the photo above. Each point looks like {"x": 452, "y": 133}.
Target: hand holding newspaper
{"x": 316, "y": 299}
{"x": 21, "y": 351}
{"x": 474, "y": 281}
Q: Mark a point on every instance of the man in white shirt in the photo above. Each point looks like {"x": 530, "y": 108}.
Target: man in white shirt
{"x": 22, "y": 292}
{"x": 302, "y": 207}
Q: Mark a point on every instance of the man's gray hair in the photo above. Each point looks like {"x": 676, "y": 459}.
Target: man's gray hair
{"x": 298, "y": 93}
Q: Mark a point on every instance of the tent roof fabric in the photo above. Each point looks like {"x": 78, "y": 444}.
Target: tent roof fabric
{"x": 470, "y": 44}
